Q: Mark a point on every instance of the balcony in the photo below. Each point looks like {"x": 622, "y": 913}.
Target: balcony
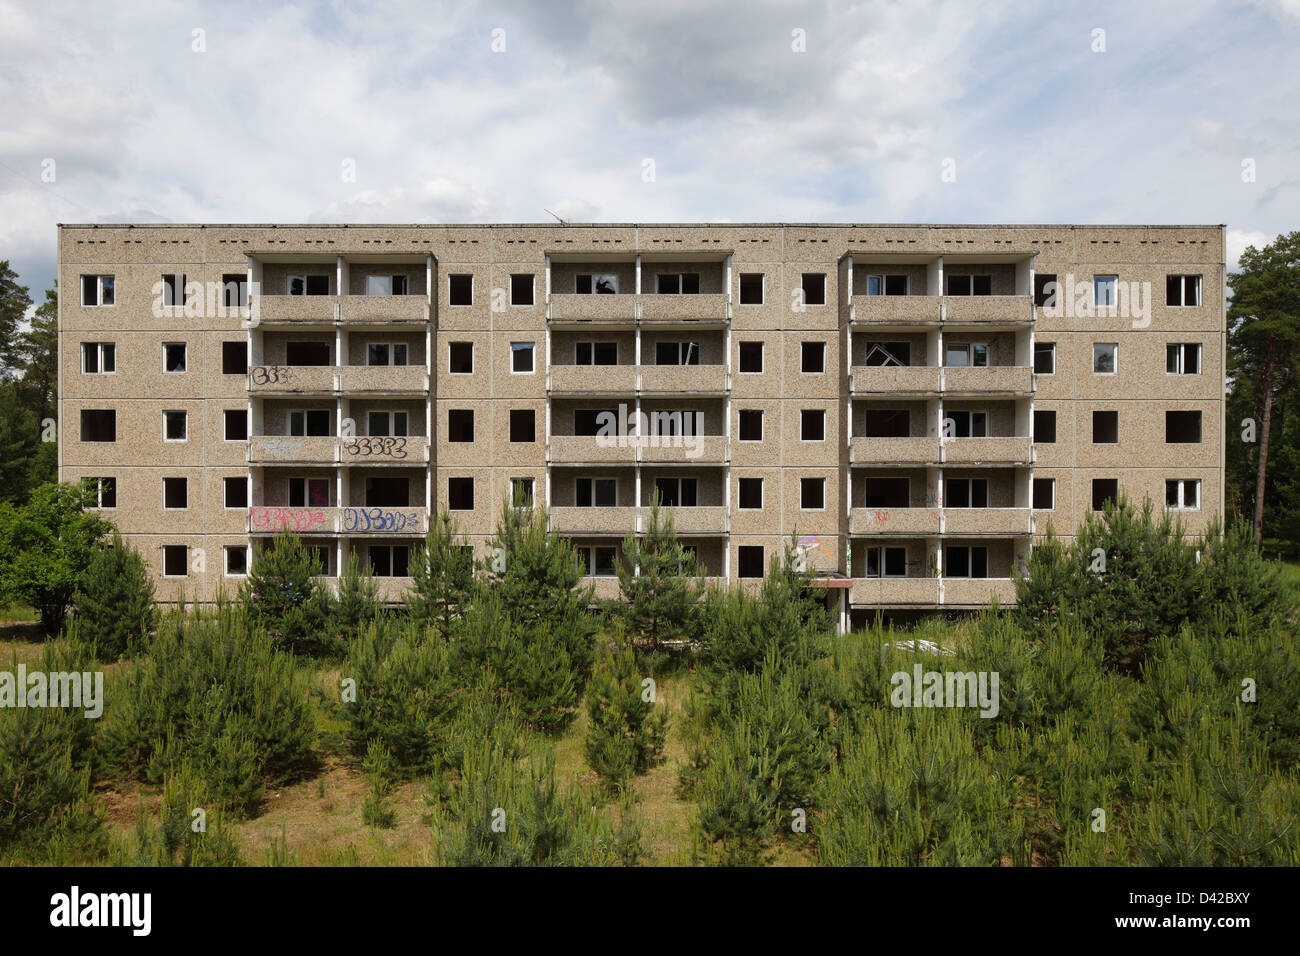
{"x": 698, "y": 520}
{"x": 296, "y": 309}
{"x": 894, "y": 451}
{"x": 383, "y": 520}
{"x": 296, "y": 449}
{"x": 591, "y": 450}
{"x": 688, "y": 450}
{"x": 617, "y": 521}
{"x": 894, "y": 379}
{"x": 592, "y": 379}
{"x": 605, "y": 586}
{"x": 895, "y": 592}
{"x": 978, "y": 521}
{"x": 712, "y": 308}
{"x": 988, "y": 451}
{"x": 271, "y": 520}
{"x": 383, "y": 309}
{"x": 994, "y": 380}
{"x": 684, "y": 379}
{"x": 383, "y": 379}
{"x": 981, "y": 310}
{"x": 977, "y": 592}
{"x": 894, "y": 521}
{"x": 385, "y": 450}
{"x": 584, "y": 311}
{"x": 393, "y": 590}
{"x": 291, "y": 380}
{"x": 896, "y": 309}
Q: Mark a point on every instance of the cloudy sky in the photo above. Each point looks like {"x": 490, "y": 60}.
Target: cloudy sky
{"x": 668, "y": 110}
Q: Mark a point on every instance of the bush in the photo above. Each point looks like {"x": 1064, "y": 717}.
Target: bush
{"x": 657, "y": 584}
{"x": 181, "y": 837}
{"x": 626, "y": 732}
{"x": 283, "y": 595}
{"x": 358, "y": 601}
{"x": 376, "y": 807}
{"x": 219, "y": 697}
{"x": 442, "y": 577}
{"x": 113, "y": 602}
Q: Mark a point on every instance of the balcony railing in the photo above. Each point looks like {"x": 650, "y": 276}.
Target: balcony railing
{"x": 976, "y": 592}
{"x": 706, "y": 307}
{"x": 894, "y": 521}
{"x": 684, "y": 379}
{"x": 977, "y": 521}
{"x": 592, "y": 379}
{"x": 627, "y": 308}
{"x": 362, "y": 450}
{"x": 988, "y": 451}
{"x": 999, "y": 379}
{"x": 896, "y": 309}
{"x": 898, "y": 592}
{"x": 593, "y": 309}
{"x": 895, "y": 379}
{"x": 591, "y": 450}
{"x": 272, "y": 519}
{"x": 894, "y": 451}
{"x": 382, "y": 379}
{"x": 689, "y": 450}
{"x": 349, "y": 309}
{"x": 988, "y": 309}
{"x": 619, "y": 521}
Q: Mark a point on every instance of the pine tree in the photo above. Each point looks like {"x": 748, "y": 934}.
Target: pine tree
{"x": 358, "y": 600}
{"x": 283, "y": 594}
{"x": 442, "y": 577}
{"x": 658, "y": 583}
{"x": 626, "y": 731}
{"x": 113, "y": 602}
{"x": 533, "y": 570}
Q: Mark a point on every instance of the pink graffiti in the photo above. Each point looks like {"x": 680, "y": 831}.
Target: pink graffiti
{"x": 881, "y": 517}
{"x": 279, "y": 519}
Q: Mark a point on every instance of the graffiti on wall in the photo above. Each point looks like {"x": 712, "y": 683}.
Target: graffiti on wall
{"x": 293, "y": 519}
{"x": 363, "y": 520}
{"x": 376, "y": 447}
{"x": 270, "y": 375}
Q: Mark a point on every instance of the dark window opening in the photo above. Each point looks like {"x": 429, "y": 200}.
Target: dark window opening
{"x": 1045, "y": 427}
{"x": 751, "y": 424}
{"x": 751, "y": 356}
{"x": 750, "y": 492}
{"x": 749, "y": 560}
{"x": 460, "y": 425}
{"x": 886, "y": 493}
{"x": 521, "y": 289}
{"x": 1104, "y": 490}
{"x": 460, "y": 289}
{"x": 1182, "y": 428}
{"x": 307, "y": 353}
{"x": 523, "y": 425}
{"x": 888, "y": 423}
{"x": 751, "y": 288}
{"x": 460, "y": 358}
{"x": 460, "y": 494}
{"x": 814, "y": 288}
{"x": 1105, "y": 427}
{"x": 98, "y": 424}
{"x": 382, "y": 492}
{"x": 234, "y": 358}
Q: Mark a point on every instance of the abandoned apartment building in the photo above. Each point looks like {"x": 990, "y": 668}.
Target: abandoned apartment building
{"x": 913, "y": 404}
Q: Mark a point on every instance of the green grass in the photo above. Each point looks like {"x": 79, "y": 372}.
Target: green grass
{"x": 18, "y": 614}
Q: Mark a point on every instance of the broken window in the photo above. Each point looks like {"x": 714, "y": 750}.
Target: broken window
{"x": 98, "y": 424}
{"x": 173, "y": 289}
{"x": 460, "y": 290}
{"x": 751, "y": 356}
{"x": 521, "y": 357}
{"x": 173, "y": 426}
{"x": 388, "y": 492}
{"x": 812, "y": 494}
{"x": 1182, "y": 428}
{"x": 173, "y": 356}
{"x": 587, "y": 421}
{"x": 460, "y": 494}
{"x": 814, "y": 288}
{"x": 176, "y": 493}
{"x": 749, "y": 492}
{"x": 176, "y": 560}
{"x": 521, "y": 289}
{"x": 1044, "y": 427}
{"x": 751, "y": 288}
{"x": 460, "y": 425}
{"x": 309, "y": 492}
{"x": 749, "y": 561}
{"x": 234, "y": 290}
{"x": 677, "y": 353}
{"x": 235, "y": 490}
{"x": 234, "y": 358}
{"x": 1045, "y": 358}
{"x": 236, "y": 560}
{"x": 307, "y": 353}
{"x": 813, "y": 357}
{"x": 1044, "y": 494}
{"x": 460, "y": 358}
{"x": 521, "y": 492}
{"x": 387, "y": 353}
{"x": 523, "y": 425}
{"x": 1105, "y": 358}
{"x": 888, "y": 423}
{"x": 886, "y": 493}
{"x": 888, "y": 353}
{"x": 812, "y": 424}
{"x": 1104, "y": 490}
{"x": 1105, "y": 427}
{"x": 751, "y": 424}
{"x": 595, "y": 284}
{"x": 1045, "y": 289}
{"x": 309, "y": 284}
{"x": 677, "y": 492}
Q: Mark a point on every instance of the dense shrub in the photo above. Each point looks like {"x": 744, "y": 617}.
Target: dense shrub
{"x": 442, "y": 577}
{"x": 625, "y": 730}
{"x": 113, "y": 602}
{"x": 179, "y": 836}
{"x": 284, "y": 596}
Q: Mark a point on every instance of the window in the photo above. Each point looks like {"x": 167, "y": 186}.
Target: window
{"x": 176, "y": 560}
{"x": 234, "y": 290}
{"x": 963, "y": 562}
{"x": 1104, "y": 290}
{"x": 173, "y": 356}
{"x": 587, "y": 421}
{"x": 236, "y": 424}
{"x": 521, "y": 289}
{"x": 309, "y": 285}
{"x": 1182, "y": 428}
{"x": 310, "y": 422}
{"x": 1105, "y": 427}
{"x": 1183, "y": 290}
{"x": 749, "y": 560}
{"x": 460, "y": 358}
{"x": 1045, "y": 358}
{"x": 1045, "y": 289}
{"x": 309, "y": 492}
{"x": 1105, "y": 358}
{"x": 887, "y": 285}
{"x": 1104, "y": 490}
{"x": 812, "y": 494}
{"x": 970, "y": 284}
{"x": 961, "y": 423}
{"x": 812, "y": 424}
{"x": 966, "y": 355}
{"x": 1044, "y": 494}
{"x": 521, "y": 492}
{"x": 595, "y": 492}
{"x": 1183, "y": 358}
{"x": 176, "y": 493}
{"x": 460, "y": 494}
{"x": 521, "y": 357}
{"x": 888, "y": 353}
{"x": 234, "y": 358}
{"x": 1044, "y": 427}
{"x": 173, "y": 289}
{"x": 307, "y": 353}
{"x": 235, "y": 491}
{"x": 387, "y": 424}
{"x": 812, "y": 356}
{"x": 677, "y": 492}
{"x": 460, "y": 290}
{"x": 236, "y": 560}
{"x": 174, "y": 426}
{"x": 386, "y": 492}
{"x": 1183, "y": 494}
{"x": 387, "y": 353}
{"x": 592, "y": 284}
{"x": 751, "y": 288}
{"x": 814, "y": 290}
{"x": 389, "y": 561}
{"x": 596, "y": 561}
{"x": 103, "y": 491}
{"x": 96, "y": 290}
{"x": 751, "y": 424}
{"x": 893, "y": 565}
{"x": 965, "y": 492}
{"x": 386, "y": 285}
{"x": 523, "y": 424}
{"x": 595, "y": 353}
{"x": 98, "y": 358}
{"x": 751, "y": 356}
{"x": 887, "y": 423}
{"x": 98, "y": 424}
{"x": 460, "y": 425}
{"x": 677, "y": 353}
{"x": 678, "y": 283}
{"x": 887, "y": 493}
{"x": 750, "y": 492}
